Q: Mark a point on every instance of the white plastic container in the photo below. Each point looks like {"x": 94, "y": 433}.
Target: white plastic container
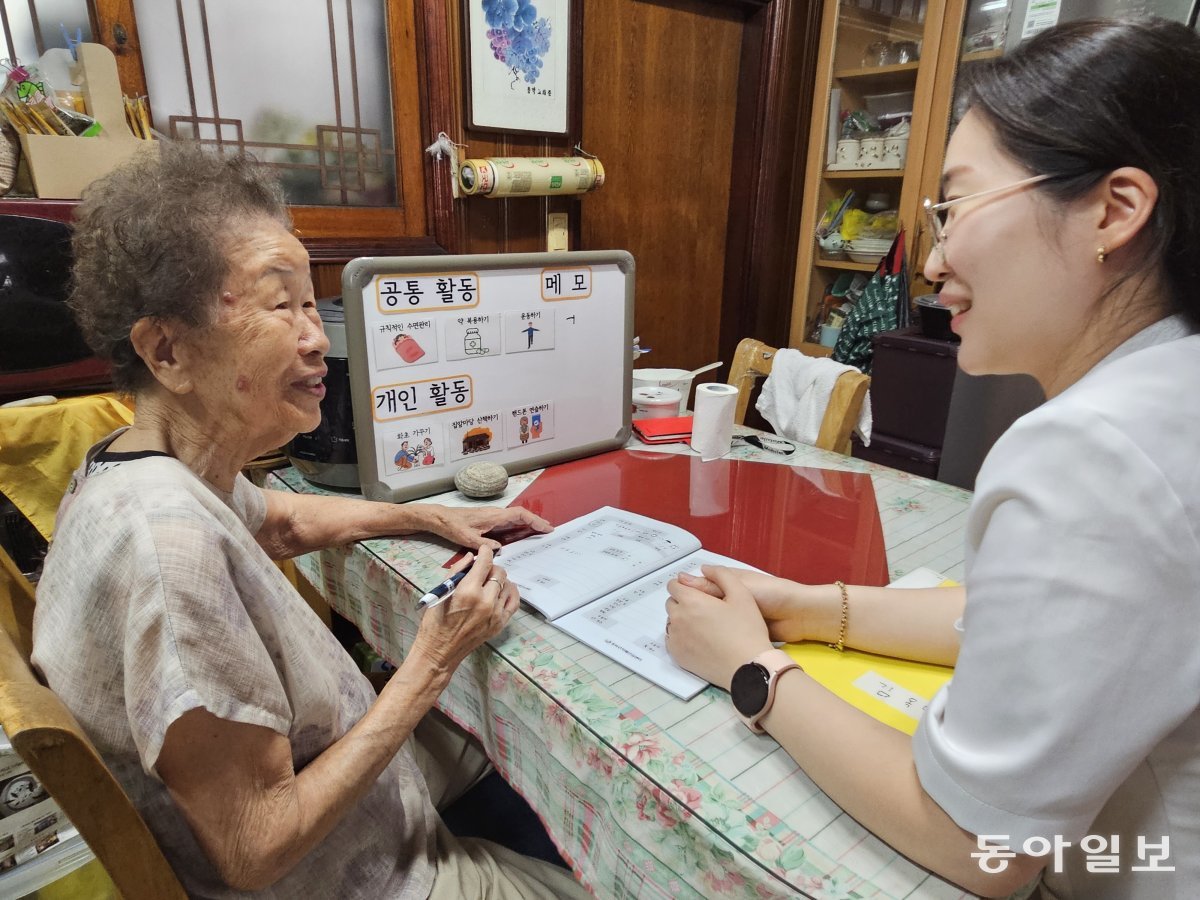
{"x": 830, "y": 335}
{"x": 673, "y": 379}
{"x": 655, "y": 402}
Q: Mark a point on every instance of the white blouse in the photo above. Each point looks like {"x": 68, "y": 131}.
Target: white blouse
{"x": 1072, "y": 714}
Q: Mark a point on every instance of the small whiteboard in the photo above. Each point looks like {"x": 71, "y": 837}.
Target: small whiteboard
{"x": 518, "y": 359}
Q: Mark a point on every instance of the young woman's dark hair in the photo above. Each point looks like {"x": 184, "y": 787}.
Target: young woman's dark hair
{"x": 1094, "y": 95}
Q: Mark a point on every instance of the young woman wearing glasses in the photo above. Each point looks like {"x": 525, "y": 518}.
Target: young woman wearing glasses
{"x": 1068, "y": 247}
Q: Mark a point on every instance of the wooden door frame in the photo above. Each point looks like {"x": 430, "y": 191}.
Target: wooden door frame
{"x": 945, "y": 81}
{"x": 338, "y": 234}
{"x": 774, "y": 109}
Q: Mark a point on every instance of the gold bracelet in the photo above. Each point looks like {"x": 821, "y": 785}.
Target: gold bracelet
{"x": 841, "y": 641}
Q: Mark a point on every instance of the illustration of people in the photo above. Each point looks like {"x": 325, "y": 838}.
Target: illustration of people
{"x": 428, "y": 458}
{"x": 524, "y": 429}
{"x": 407, "y": 348}
{"x": 535, "y": 427}
{"x": 528, "y": 331}
{"x": 404, "y": 457}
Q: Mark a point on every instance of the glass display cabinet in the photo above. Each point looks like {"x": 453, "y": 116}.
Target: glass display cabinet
{"x": 874, "y": 56}
{"x": 874, "y": 104}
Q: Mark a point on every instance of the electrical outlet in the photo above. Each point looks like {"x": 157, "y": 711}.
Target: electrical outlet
{"x": 556, "y": 232}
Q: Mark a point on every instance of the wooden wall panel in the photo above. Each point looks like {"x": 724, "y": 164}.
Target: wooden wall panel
{"x": 327, "y": 279}
{"x": 698, "y": 110}
{"x": 481, "y": 225}
{"x": 660, "y": 99}
{"x": 779, "y": 58}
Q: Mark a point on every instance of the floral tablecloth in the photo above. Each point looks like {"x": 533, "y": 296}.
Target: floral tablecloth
{"x": 646, "y": 795}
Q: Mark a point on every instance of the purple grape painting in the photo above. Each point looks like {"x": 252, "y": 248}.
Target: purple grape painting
{"x": 518, "y": 38}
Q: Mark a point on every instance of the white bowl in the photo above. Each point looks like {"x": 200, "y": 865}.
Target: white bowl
{"x": 867, "y": 250}
{"x": 865, "y": 256}
{"x": 672, "y": 379}
{"x": 831, "y": 246}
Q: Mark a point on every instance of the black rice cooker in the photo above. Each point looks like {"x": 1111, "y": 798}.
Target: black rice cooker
{"x": 327, "y": 456}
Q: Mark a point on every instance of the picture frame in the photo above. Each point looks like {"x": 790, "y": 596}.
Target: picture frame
{"x": 519, "y": 65}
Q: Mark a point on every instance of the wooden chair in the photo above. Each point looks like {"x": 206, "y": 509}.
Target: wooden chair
{"x": 16, "y": 604}
{"x": 52, "y": 744}
{"x": 753, "y": 360}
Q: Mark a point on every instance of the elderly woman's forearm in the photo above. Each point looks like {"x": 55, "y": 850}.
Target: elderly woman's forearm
{"x": 301, "y": 523}
{"x": 251, "y": 812}
{"x": 339, "y": 778}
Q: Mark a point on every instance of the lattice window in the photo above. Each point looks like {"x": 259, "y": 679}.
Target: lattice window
{"x": 32, "y": 26}
{"x": 301, "y": 84}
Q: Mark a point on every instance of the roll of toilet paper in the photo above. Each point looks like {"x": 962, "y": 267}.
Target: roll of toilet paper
{"x": 712, "y": 427}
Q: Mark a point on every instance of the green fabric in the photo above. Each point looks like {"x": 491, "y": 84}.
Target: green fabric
{"x": 883, "y": 306}
{"x": 873, "y": 312}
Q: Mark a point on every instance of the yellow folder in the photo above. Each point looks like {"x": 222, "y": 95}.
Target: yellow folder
{"x": 894, "y": 691}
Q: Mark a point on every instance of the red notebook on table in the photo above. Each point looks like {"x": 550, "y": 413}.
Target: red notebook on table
{"x": 664, "y": 430}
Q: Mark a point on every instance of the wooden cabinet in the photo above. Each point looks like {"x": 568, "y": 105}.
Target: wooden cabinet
{"x": 863, "y": 43}
{"x": 929, "y": 417}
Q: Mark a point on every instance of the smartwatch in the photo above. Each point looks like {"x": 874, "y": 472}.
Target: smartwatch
{"x": 753, "y": 685}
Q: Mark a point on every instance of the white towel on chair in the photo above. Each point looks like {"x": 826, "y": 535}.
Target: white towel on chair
{"x": 795, "y": 394}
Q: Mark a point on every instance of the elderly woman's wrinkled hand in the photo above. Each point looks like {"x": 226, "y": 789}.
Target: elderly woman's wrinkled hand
{"x": 711, "y": 636}
{"x": 478, "y": 609}
{"x": 468, "y": 527}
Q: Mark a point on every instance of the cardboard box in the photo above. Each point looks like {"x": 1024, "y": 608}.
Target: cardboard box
{"x": 63, "y": 166}
{"x": 29, "y": 819}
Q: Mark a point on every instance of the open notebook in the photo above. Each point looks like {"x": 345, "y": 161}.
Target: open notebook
{"x": 602, "y": 578}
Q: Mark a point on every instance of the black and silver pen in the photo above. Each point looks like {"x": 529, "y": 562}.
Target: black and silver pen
{"x": 442, "y": 591}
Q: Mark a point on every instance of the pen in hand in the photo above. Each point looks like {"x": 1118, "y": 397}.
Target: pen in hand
{"x": 442, "y": 591}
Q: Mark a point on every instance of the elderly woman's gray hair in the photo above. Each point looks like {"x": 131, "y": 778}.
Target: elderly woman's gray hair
{"x": 152, "y": 239}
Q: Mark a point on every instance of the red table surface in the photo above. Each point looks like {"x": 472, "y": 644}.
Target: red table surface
{"x": 810, "y": 525}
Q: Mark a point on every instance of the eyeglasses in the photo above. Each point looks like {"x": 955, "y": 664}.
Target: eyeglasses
{"x": 935, "y": 220}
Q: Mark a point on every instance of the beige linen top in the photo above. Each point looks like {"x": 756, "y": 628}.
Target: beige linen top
{"x": 156, "y": 600}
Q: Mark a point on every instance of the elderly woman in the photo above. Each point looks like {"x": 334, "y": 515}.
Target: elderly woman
{"x": 258, "y": 755}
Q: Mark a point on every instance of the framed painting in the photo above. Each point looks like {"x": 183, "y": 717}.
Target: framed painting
{"x": 518, "y": 55}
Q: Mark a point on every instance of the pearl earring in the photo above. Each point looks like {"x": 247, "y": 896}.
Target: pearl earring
{"x": 1101, "y": 254}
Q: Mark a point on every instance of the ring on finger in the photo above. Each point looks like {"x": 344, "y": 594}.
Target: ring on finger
{"x": 500, "y": 583}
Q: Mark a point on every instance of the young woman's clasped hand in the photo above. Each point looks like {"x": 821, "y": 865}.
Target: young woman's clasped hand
{"x": 714, "y": 624}
{"x": 718, "y": 621}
